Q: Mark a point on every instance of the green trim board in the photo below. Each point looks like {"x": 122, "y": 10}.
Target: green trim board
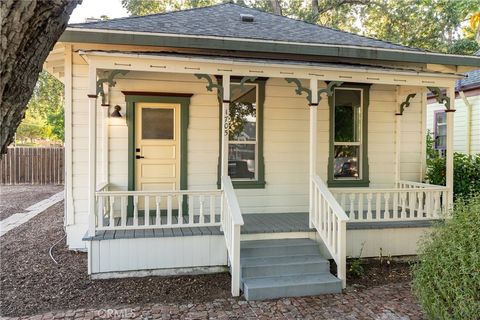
{"x": 246, "y": 45}
{"x": 184, "y": 101}
{"x": 260, "y": 182}
{"x": 364, "y": 181}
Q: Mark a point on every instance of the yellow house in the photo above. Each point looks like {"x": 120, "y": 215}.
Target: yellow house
{"x": 227, "y": 137}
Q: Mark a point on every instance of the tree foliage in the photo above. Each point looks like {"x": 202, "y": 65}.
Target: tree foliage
{"x": 44, "y": 115}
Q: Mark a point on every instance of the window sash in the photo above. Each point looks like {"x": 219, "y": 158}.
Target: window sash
{"x": 254, "y": 142}
{"x": 359, "y": 122}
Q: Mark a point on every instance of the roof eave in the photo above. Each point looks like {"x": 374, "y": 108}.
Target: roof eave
{"x": 216, "y": 43}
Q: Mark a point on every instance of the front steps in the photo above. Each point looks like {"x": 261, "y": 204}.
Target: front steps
{"x": 285, "y": 268}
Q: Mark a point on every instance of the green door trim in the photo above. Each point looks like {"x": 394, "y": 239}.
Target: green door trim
{"x": 158, "y": 97}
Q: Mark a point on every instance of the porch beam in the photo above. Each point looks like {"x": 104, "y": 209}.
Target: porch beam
{"x": 92, "y": 146}
{"x": 137, "y": 62}
{"x": 450, "y": 111}
{"x": 312, "y": 144}
{"x": 225, "y": 124}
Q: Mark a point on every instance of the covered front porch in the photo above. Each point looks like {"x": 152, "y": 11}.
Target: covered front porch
{"x": 211, "y": 222}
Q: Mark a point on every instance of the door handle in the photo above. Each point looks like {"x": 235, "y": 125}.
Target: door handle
{"x": 139, "y": 157}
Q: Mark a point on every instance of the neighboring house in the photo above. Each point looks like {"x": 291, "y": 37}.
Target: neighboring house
{"x": 467, "y": 117}
{"x": 321, "y": 132}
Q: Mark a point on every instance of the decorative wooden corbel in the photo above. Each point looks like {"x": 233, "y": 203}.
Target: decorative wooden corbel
{"x": 441, "y": 98}
{"x": 210, "y": 86}
{"x": 241, "y": 85}
{"x": 405, "y": 104}
{"x": 328, "y": 90}
{"x": 111, "y": 83}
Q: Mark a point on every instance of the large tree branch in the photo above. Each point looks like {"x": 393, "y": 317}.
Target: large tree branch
{"x": 29, "y": 30}
{"x": 331, "y": 5}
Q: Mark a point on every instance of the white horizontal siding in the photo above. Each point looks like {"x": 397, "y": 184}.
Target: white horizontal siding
{"x": 286, "y": 127}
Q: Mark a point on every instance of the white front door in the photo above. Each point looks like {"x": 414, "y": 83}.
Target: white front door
{"x": 157, "y": 146}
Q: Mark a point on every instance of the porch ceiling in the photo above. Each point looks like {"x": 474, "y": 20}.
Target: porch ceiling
{"x": 191, "y": 64}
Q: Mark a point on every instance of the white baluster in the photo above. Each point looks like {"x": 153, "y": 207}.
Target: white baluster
{"x": 135, "y": 210}
{"x": 180, "y": 208}
{"x": 403, "y": 196}
{"x": 212, "y": 209}
{"x": 369, "y": 206}
{"x": 378, "y": 206}
{"x": 111, "y": 215}
{"x": 169, "y": 210}
{"x": 420, "y": 204}
{"x": 360, "y": 206}
{"x": 352, "y": 206}
{"x": 100, "y": 213}
{"x": 191, "y": 220}
{"x": 437, "y": 204}
{"x": 201, "y": 200}
{"x": 395, "y": 205}
{"x": 146, "y": 210}
{"x": 158, "y": 215}
{"x": 386, "y": 213}
{"x": 428, "y": 204}
{"x": 123, "y": 210}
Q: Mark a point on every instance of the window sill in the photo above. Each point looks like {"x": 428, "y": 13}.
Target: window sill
{"x": 348, "y": 183}
{"x": 247, "y": 184}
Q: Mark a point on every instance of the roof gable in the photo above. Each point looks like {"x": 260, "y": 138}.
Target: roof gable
{"x": 224, "y": 20}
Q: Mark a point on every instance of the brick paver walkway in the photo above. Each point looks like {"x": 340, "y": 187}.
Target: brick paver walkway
{"x": 393, "y": 301}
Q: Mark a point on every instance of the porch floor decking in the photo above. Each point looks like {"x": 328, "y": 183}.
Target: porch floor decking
{"x": 254, "y": 224}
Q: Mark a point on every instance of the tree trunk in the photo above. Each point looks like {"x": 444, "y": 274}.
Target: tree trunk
{"x": 29, "y": 30}
{"x": 277, "y": 9}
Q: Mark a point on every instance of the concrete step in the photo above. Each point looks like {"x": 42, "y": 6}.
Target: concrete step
{"x": 278, "y": 247}
{"x": 290, "y": 286}
{"x": 283, "y": 265}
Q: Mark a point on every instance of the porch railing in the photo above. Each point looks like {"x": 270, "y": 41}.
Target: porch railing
{"x": 118, "y": 210}
{"x": 232, "y": 221}
{"x": 409, "y": 201}
{"x": 329, "y": 219}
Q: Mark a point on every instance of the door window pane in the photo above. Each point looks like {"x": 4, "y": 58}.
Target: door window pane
{"x": 157, "y": 123}
{"x": 241, "y": 161}
{"x": 346, "y": 161}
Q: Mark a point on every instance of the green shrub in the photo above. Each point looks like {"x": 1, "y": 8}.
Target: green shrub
{"x": 446, "y": 280}
{"x": 466, "y": 173}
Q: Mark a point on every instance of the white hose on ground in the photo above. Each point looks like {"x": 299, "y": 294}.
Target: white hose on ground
{"x": 51, "y": 248}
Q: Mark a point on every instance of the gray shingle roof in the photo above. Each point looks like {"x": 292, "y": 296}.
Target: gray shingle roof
{"x": 224, "y": 20}
{"x": 473, "y": 78}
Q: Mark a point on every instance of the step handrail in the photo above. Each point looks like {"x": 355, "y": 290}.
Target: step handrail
{"x": 330, "y": 221}
{"x": 232, "y": 221}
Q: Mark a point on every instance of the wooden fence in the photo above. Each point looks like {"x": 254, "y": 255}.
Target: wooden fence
{"x": 33, "y": 165}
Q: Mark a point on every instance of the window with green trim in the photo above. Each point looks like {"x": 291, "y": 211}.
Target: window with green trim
{"x": 245, "y": 138}
{"x": 348, "y": 160}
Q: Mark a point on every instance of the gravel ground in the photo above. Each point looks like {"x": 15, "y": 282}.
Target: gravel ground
{"x": 15, "y": 199}
{"x": 32, "y": 284}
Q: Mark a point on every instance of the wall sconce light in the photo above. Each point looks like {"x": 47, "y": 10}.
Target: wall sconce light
{"x": 116, "y": 113}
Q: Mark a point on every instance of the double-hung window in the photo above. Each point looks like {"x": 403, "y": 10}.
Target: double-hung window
{"x": 440, "y": 129}
{"x": 245, "y": 134}
{"x": 348, "y": 161}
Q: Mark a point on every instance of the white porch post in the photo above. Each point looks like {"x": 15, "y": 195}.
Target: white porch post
{"x": 225, "y": 124}
{"x": 92, "y": 145}
{"x": 398, "y": 136}
{"x": 313, "y": 145}
{"x": 449, "y": 156}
